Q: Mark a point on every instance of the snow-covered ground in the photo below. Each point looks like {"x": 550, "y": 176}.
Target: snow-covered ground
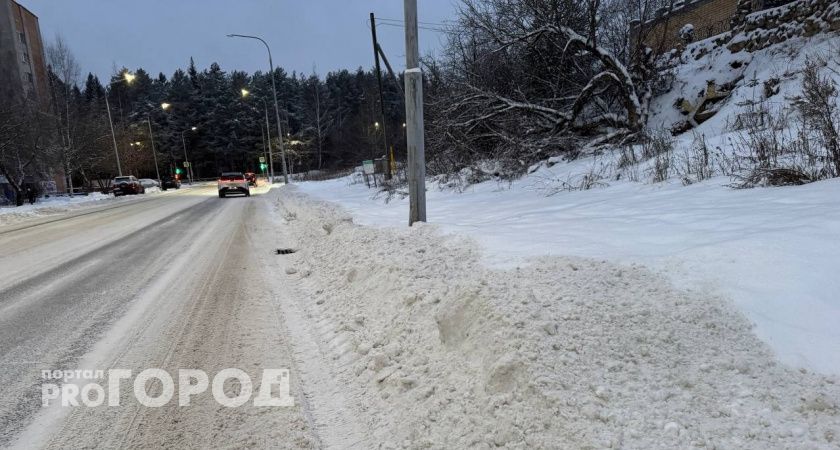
{"x": 773, "y": 251}
{"x": 47, "y": 205}
{"x": 433, "y": 349}
{"x": 63, "y": 204}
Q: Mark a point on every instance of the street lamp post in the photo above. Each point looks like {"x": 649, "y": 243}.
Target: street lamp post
{"x": 186, "y": 159}
{"x": 128, "y": 78}
{"x": 154, "y": 153}
{"x": 276, "y": 108}
{"x": 246, "y": 93}
{"x": 187, "y": 164}
{"x": 376, "y": 138}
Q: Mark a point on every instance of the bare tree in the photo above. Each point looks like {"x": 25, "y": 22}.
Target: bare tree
{"x": 819, "y": 109}
{"x": 320, "y": 119}
{"x": 64, "y": 76}
{"x": 23, "y": 141}
{"x": 523, "y": 79}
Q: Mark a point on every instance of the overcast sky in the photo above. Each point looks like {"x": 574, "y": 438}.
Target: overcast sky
{"x": 162, "y": 35}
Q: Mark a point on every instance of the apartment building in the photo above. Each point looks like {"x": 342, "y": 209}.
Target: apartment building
{"x": 23, "y": 70}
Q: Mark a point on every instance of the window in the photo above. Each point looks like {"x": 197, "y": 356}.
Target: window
{"x": 22, "y": 38}
{"x": 30, "y": 78}
{"x": 26, "y": 57}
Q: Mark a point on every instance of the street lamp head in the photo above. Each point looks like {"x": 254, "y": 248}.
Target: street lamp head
{"x": 137, "y": 143}
{"x": 403, "y": 124}
{"x": 193, "y": 128}
{"x": 245, "y": 92}
{"x": 164, "y": 106}
{"x": 376, "y": 124}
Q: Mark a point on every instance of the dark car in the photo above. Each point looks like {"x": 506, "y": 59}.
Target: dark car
{"x": 170, "y": 182}
{"x": 251, "y": 177}
{"x": 128, "y": 185}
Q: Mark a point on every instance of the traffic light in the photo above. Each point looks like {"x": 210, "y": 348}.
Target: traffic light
{"x": 263, "y": 166}
{"x": 178, "y": 171}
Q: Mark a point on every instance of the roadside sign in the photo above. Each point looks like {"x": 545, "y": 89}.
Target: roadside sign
{"x": 368, "y": 166}
{"x": 262, "y": 159}
{"x": 186, "y": 163}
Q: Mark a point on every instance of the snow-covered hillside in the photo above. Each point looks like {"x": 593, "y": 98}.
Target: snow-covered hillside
{"x": 772, "y": 251}
{"x": 748, "y": 72}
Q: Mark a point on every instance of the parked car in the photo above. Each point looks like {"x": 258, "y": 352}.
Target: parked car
{"x": 149, "y": 183}
{"x": 251, "y": 177}
{"x": 170, "y": 182}
{"x": 127, "y": 185}
{"x": 233, "y": 182}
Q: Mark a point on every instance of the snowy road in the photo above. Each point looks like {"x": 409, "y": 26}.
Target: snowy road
{"x": 168, "y": 282}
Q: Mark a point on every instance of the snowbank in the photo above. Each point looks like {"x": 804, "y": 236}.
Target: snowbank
{"x": 773, "y": 251}
{"x": 62, "y": 204}
{"x": 49, "y": 206}
{"x": 440, "y": 351}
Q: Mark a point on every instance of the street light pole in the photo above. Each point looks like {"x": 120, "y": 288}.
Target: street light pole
{"x": 113, "y": 135}
{"x": 128, "y": 78}
{"x": 189, "y": 165}
{"x": 265, "y": 150}
{"x": 270, "y": 153}
{"x": 154, "y": 153}
{"x": 276, "y": 107}
{"x": 246, "y": 93}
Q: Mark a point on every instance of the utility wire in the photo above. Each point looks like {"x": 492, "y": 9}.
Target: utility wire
{"x": 439, "y": 30}
{"x": 421, "y": 23}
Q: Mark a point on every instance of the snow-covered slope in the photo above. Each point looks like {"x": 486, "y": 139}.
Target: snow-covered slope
{"x": 774, "y": 251}
{"x": 779, "y": 64}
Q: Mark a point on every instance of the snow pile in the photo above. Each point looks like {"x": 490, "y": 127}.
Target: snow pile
{"x": 63, "y": 204}
{"x": 442, "y": 351}
{"x": 48, "y": 206}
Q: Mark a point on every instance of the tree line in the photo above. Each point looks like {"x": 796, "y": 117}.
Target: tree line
{"x": 328, "y": 122}
{"x": 517, "y": 81}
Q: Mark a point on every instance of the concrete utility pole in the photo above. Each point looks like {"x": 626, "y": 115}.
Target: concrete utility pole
{"x": 414, "y": 118}
{"x": 381, "y": 94}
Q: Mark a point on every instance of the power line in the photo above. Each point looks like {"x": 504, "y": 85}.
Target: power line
{"x": 422, "y": 23}
{"x": 439, "y": 30}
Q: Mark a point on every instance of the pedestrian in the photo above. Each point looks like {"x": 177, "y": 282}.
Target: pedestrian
{"x": 32, "y": 194}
